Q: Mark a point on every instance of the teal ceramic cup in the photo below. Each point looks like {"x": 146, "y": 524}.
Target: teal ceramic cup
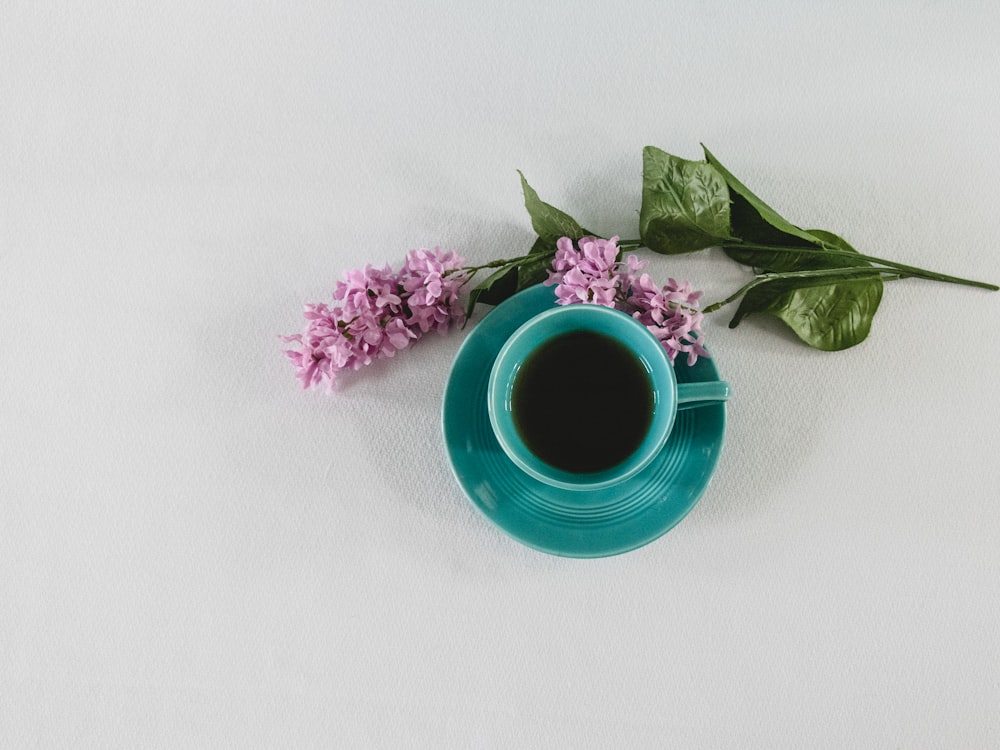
{"x": 583, "y": 397}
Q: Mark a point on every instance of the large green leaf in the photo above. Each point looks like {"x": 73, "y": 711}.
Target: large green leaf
{"x": 754, "y": 221}
{"x": 548, "y": 221}
{"x": 826, "y": 314}
{"x": 685, "y": 204}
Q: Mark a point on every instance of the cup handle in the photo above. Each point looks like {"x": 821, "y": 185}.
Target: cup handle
{"x": 691, "y": 395}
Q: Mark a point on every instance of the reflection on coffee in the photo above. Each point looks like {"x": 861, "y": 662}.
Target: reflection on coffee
{"x": 582, "y": 402}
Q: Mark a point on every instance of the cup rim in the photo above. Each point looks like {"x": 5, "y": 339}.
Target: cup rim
{"x": 598, "y": 318}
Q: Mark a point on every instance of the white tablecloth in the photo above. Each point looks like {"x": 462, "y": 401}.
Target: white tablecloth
{"x": 196, "y": 553}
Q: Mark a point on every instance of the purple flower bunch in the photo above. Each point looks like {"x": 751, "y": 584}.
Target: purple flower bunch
{"x": 590, "y": 271}
{"x": 375, "y": 313}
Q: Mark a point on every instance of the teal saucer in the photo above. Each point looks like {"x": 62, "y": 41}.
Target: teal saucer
{"x": 564, "y": 522}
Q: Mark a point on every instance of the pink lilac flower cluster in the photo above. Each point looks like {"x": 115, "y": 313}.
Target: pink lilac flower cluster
{"x": 591, "y": 272}
{"x": 375, "y": 313}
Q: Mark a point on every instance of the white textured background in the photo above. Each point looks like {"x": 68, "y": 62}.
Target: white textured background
{"x": 195, "y": 553}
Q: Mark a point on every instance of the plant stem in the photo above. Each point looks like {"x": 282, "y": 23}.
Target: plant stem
{"x": 830, "y": 250}
{"x": 473, "y": 270}
{"x": 834, "y": 274}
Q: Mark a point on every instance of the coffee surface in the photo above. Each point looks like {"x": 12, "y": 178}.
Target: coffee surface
{"x": 582, "y": 402}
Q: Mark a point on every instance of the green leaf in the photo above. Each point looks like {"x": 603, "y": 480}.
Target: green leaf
{"x": 548, "y": 221}
{"x": 827, "y": 315}
{"x": 754, "y": 221}
{"x": 830, "y": 239}
{"x": 492, "y": 290}
{"x": 685, "y": 204}
{"x": 508, "y": 280}
{"x": 758, "y": 222}
{"x": 536, "y": 271}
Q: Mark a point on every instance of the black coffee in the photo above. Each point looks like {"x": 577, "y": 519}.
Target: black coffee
{"x": 582, "y": 402}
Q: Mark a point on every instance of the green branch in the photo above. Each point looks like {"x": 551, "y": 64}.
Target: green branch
{"x": 833, "y": 274}
{"x": 829, "y": 250}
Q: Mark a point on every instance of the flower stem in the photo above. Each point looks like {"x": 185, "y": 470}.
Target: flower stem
{"x": 834, "y": 274}
{"x": 829, "y": 250}
{"x": 502, "y": 263}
